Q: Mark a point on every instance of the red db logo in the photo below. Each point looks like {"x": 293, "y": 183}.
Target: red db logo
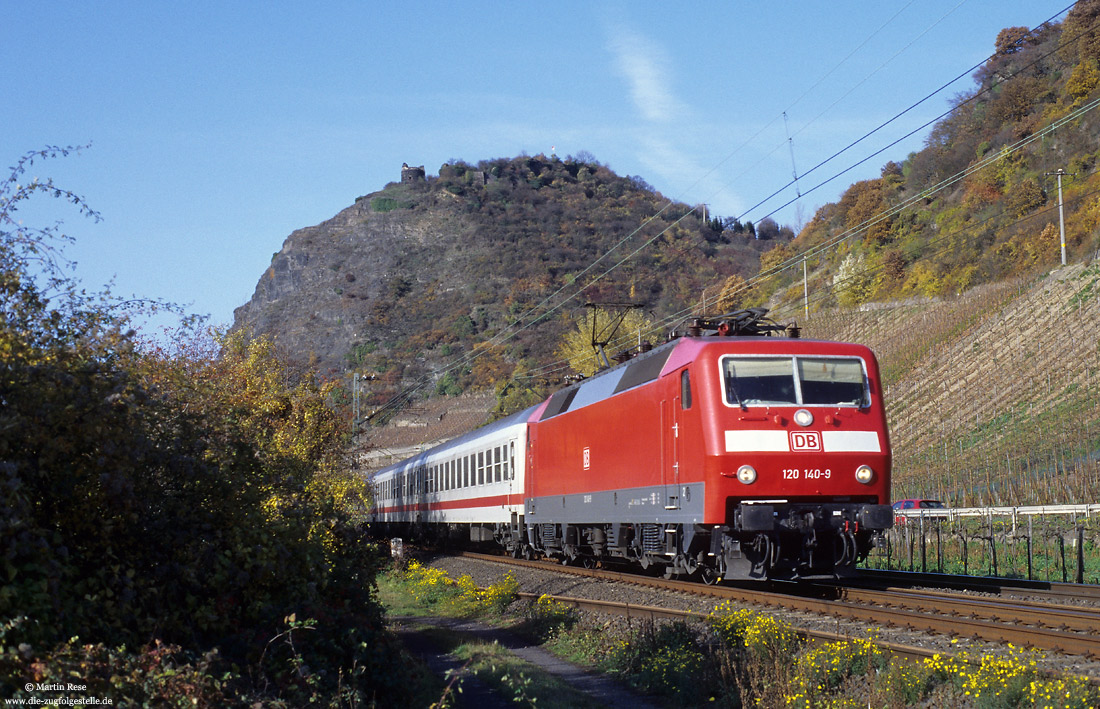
{"x": 805, "y": 441}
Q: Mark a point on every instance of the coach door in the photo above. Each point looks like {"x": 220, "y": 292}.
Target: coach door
{"x": 670, "y": 453}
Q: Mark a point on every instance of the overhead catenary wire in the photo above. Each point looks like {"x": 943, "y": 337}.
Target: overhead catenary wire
{"x": 886, "y": 214}
{"x": 931, "y": 248}
{"x": 527, "y": 319}
{"x": 510, "y": 332}
{"x": 897, "y": 116}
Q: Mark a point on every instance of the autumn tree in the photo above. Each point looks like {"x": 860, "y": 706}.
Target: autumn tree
{"x": 192, "y": 495}
{"x": 1081, "y": 32}
{"x": 577, "y": 344}
{"x": 735, "y": 291}
{"x": 1011, "y": 39}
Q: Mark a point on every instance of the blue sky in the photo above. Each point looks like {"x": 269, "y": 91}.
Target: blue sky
{"x": 217, "y": 128}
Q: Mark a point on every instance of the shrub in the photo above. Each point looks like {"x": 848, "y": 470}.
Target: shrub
{"x": 179, "y": 500}
{"x": 545, "y": 617}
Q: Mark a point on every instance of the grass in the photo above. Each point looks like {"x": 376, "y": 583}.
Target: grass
{"x": 736, "y": 658}
{"x": 984, "y": 547}
{"x": 497, "y": 668}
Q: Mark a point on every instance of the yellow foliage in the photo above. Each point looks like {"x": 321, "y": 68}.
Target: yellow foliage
{"x": 576, "y": 346}
{"x": 733, "y": 294}
{"x": 1083, "y": 81}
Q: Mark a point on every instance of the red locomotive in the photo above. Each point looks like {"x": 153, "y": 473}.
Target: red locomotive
{"x": 734, "y": 455}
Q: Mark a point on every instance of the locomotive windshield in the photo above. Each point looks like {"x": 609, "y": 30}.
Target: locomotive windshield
{"x": 795, "y": 381}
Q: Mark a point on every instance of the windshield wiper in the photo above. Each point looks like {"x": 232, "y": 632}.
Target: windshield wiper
{"x": 733, "y": 390}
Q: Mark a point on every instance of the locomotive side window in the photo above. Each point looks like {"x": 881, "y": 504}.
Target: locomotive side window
{"x": 832, "y": 381}
{"x": 685, "y": 390}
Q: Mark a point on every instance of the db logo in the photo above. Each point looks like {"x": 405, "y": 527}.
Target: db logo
{"x": 805, "y": 441}
{"x": 587, "y": 459}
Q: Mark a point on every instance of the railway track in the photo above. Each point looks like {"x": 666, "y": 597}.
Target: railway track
{"x": 1022, "y": 588}
{"x": 1066, "y": 629}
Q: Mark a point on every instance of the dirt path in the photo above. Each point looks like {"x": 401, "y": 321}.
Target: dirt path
{"x": 602, "y": 690}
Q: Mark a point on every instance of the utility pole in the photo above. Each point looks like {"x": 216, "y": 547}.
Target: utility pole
{"x": 1061, "y": 217}
{"x": 355, "y": 403}
{"x": 805, "y": 290}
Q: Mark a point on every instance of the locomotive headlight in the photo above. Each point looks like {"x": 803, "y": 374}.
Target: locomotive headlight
{"x": 803, "y": 417}
{"x": 746, "y": 474}
{"x": 864, "y": 474}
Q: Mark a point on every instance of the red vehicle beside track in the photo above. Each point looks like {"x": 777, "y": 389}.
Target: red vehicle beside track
{"x": 735, "y": 455}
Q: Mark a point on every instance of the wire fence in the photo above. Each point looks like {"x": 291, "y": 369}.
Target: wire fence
{"x": 1044, "y": 543}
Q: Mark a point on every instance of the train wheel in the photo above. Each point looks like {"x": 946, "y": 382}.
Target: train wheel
{"x": 709, "y": 575}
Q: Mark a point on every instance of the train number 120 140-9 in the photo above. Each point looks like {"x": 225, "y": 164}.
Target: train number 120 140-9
{"x": 808, "y": 474}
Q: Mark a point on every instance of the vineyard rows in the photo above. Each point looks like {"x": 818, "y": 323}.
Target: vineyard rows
{"x": 992, "y": 396}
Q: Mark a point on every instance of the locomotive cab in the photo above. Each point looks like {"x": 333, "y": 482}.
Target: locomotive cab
{"x": 801, "y": 461}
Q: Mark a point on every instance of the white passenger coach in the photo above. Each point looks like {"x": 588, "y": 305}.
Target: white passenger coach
{"x": 475, "y": 480}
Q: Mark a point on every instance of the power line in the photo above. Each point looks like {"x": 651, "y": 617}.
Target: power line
{"x": 513, "y": 330}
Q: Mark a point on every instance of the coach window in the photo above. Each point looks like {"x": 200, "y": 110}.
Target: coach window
{"x": 685, "y": 390}
{"x": 512, "y": 460}
{"x": 466, "y": 471}
{"x": 480, "y": 467}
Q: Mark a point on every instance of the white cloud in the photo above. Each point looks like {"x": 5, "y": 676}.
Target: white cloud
{"x": 667, "y": 124}
{"x": 644, "y": 65}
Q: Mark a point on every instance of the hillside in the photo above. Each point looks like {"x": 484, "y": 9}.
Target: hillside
{"x": 993, "y": 396}
{"x": 947, "y": 265}
{"x": 979, "y": 203}
{"x": 429, "y": 270}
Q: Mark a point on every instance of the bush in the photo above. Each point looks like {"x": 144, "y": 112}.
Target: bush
{"x": 179, "y": 501}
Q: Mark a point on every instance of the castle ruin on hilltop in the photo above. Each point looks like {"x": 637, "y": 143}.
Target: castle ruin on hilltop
{"x": 412, "y": 174}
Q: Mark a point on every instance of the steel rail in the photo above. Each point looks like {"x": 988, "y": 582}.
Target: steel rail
{"x": 986, "y": 584}
{"x": 643, "y": 612}
{"x": 871, "y": 609}
{"x": 1039, "y": 614}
